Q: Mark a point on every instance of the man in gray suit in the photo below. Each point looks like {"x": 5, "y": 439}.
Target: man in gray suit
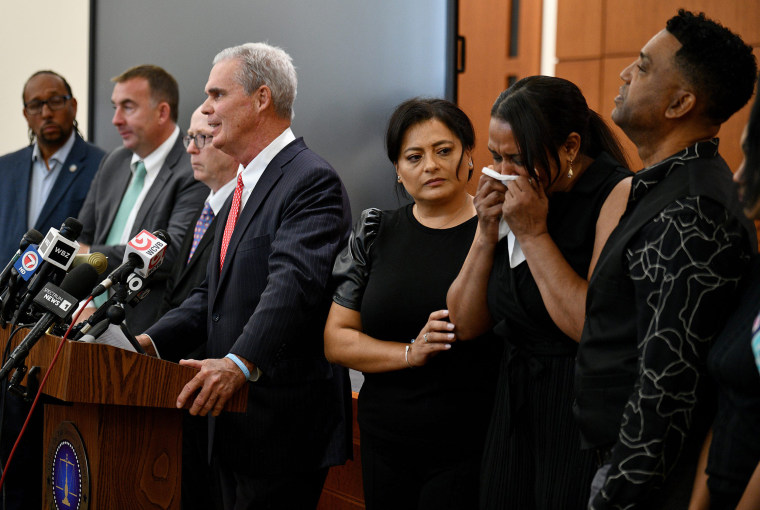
{"x": 146, "y": 184}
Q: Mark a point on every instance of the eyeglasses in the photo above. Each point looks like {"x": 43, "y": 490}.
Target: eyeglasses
{"x": 54, "y": 103}
{"x": 200, "y": 140}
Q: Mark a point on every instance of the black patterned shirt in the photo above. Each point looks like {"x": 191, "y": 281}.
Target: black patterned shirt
{"x": 685, "y": 265}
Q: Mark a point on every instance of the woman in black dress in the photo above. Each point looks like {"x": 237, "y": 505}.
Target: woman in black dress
{"x": 731, "y": 477}
{"x": 526, "y": 276}
{"x": 426, "y": 399}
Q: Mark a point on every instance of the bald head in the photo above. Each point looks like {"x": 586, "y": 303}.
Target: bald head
{"x": 210, "y": 165}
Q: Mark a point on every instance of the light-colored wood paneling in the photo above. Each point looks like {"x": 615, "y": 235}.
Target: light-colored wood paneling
{"x": 629, "y": 25}
{"x": 579, "y": 29}
{"x": 625, "y": 27}
{"x": 585, "y": 74}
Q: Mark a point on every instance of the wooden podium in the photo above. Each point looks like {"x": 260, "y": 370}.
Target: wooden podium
{"x": 115, "y": 420}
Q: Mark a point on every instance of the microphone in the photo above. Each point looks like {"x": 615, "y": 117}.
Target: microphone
{"x": 58, "y": 304}
{"x": 57, "y": 251}
{"x": 22, "y": 270}
{"x": 95, "y": 259}
{"x": 143, "y": 254}
{"x": 31, "y": 237}
{"x": 131, "y": 292}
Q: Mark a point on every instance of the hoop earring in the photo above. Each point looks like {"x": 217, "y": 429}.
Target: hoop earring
{"x": 570, "y": 171}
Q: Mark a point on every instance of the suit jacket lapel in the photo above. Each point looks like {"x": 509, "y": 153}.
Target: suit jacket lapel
{"x": 65, "y": 179}
{"x": 207, "y": 238}
{"x": 119, "y": 179}
{"x": 16, "y": 189}
{"x": 268, "y": 179}
{"x": 155, "y": 189}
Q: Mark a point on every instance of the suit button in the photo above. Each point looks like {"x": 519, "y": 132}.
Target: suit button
{"x": 215, "y": 317}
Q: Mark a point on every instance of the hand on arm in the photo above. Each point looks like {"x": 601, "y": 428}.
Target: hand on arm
{"x": 466, "y": 299}
{"x": 347, "y": 345}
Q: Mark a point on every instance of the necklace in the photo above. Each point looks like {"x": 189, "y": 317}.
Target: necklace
{"x": 453, "y": 220}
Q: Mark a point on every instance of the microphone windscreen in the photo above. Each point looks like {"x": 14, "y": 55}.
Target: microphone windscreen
{"x": 71, "y": 228}
{"x": 33, "y": 237}
{"x": 164, "y": 236}
{"x": 98, "y": 261}
{"x": 80, "y": 281}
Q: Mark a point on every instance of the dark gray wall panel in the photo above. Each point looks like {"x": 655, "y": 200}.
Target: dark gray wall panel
{"x": 356, "y": 59}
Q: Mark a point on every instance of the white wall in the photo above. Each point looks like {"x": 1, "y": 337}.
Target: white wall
{"x": 41, "y": 34}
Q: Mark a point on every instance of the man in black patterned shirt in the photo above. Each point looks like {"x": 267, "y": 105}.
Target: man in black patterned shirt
{"x": 660, "y": 290}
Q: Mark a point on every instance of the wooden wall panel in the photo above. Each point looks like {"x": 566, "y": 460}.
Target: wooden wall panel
{"x": 585, "y": 74}
{"x": 579, "y": 35}
{"x": 629, "y": 25}
{"x": 625, "y": 27}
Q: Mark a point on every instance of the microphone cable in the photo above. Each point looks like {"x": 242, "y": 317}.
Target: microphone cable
{"x": 3, "y": 395}
{"x": 39, "y": 392}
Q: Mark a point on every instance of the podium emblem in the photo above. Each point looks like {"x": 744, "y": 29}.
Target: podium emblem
{"x": 68, "y": 481}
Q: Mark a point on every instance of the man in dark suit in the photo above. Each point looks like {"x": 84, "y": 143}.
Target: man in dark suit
{"x": 264, "y": 302}
{"x": 216, "y": 170}
{"x": 46, "y": 182}
{"x": 42, "y": 185}
{"x": 146, "y": 184}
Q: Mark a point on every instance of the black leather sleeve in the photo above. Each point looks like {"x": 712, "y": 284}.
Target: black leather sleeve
{"x": 351, "y": 269}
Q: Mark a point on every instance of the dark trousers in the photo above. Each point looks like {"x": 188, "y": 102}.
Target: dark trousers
{"x": 290, "y": 491}
{"x": 196, "y": 472}
{"x": 411, "y": 476}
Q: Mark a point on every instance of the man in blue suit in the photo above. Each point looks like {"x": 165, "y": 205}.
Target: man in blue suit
{"x": 262, "y": 308}
{"x": 46, "y": 182}
{"x": 40, "y": 186}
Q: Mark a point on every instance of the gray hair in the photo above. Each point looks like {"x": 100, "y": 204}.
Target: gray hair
{"x": 262, "y": 64}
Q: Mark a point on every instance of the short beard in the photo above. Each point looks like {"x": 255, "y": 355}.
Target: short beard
{"x": 55, "y": 141}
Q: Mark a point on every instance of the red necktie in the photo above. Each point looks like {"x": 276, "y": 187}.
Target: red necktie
{"x": 231, "y": 219}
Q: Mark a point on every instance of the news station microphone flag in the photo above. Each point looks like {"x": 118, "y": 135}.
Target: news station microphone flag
{"x": 58, "y": 304}
{"x": 57, "y": 251}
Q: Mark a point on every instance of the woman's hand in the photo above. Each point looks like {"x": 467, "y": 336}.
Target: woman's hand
{"x": 488, "y": 203}
{"x": 525, "y": 208}
{"x": 435, "y": 337}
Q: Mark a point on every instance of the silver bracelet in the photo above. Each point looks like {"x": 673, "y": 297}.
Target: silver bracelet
{"x": 406, "y": 355}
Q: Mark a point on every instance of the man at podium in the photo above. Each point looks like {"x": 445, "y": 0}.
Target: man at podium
{"x": 263, "y": 305}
